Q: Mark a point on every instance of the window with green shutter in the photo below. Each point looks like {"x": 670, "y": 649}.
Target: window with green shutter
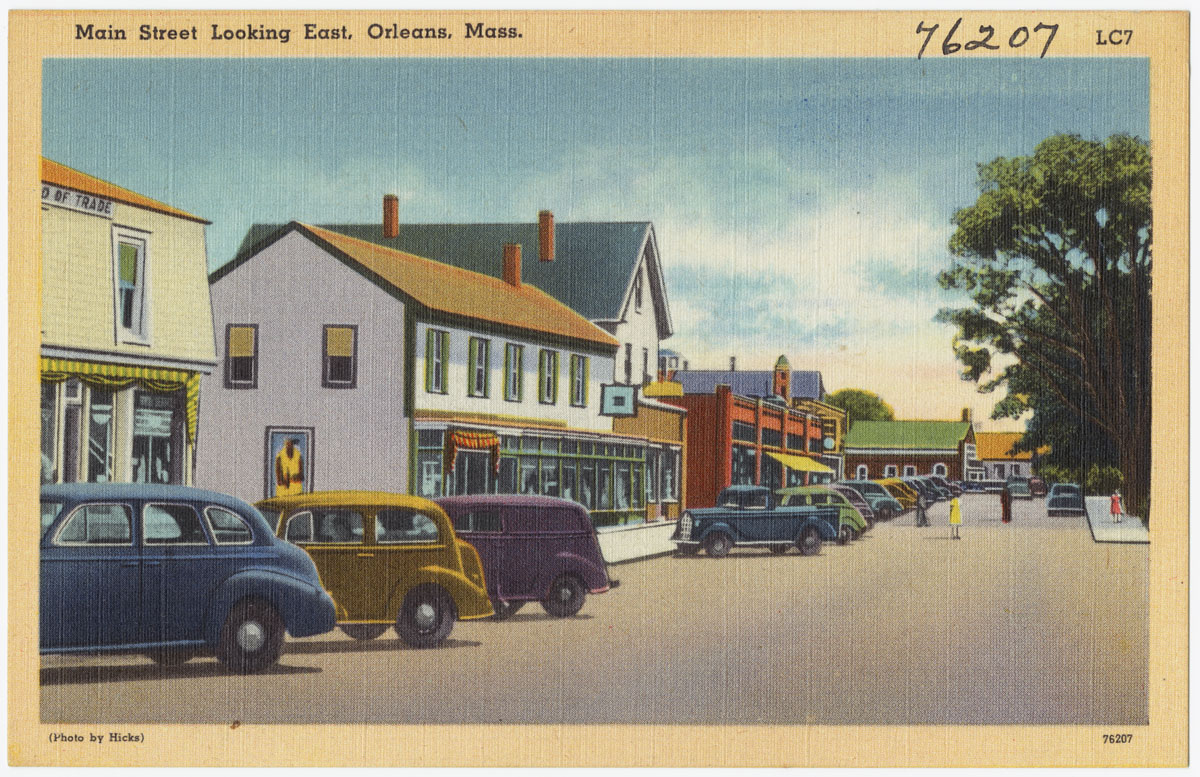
{"x": 579, "y": 380}
{"x": 478, "y": 366}
{"x": 514, "y": 371}
{"x": 548, "y": 377}
{"x": 437, "y": 346}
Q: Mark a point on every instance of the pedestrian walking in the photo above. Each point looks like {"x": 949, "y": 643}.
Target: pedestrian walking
{"x": 1117, "y": 510}
{"x": 922, "y": 516}
{"x": 955, "y": 519}
{"x": 1005, "y": 505}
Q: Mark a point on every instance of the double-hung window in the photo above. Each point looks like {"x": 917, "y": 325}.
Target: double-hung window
{"x": 241, "y": 356}
{"x": 579, "y": 380}
{"x": 340, "y": 368}
{"x": 437, "y": 347}
{"x": 514, "y": 371}
{"x": 130, "y": 298}
{"x": 548, "y": 377}
{"x": 479, "y": 365}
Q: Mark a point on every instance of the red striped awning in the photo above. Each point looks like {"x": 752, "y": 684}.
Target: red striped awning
{"x": 476, "y": 441}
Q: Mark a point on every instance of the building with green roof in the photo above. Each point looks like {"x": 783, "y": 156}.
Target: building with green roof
{"x": 882, "y": 449}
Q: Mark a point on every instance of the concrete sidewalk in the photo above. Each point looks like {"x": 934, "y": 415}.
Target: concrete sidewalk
{"x": 1100, "y": 521}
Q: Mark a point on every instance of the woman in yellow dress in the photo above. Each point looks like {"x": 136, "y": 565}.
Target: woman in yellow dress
{"x": 955, "y": 519}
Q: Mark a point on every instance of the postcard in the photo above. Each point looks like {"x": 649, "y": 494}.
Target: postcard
{"x": 547, "y": 388}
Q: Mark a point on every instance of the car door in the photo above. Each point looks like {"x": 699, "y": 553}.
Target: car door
{"x": 333, "y": 538}
{"x": 406, "y": 540}
{"x": 179, "y": 571}
{"x": 90, "y": 579}
{"x": 755, "y": 522}
{"x": 480, "y": 526}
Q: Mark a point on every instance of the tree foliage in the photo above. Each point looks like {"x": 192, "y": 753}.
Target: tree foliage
{"x": 861, "y": 405}
{"x": 1055, "y": 256}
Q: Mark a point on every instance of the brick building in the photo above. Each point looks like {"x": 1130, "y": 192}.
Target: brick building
{"x": 883, "y": 449}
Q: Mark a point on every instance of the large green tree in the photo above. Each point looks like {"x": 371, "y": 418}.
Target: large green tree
{"x": 861, "y": 405}
{"x": 1055, "y": 256}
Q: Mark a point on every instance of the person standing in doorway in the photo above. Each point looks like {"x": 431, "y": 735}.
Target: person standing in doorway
{"x": 289, "y": 469}
{"x": 1117, "y": 510}
{"x": 955, "y": 519}
{"x": 1005, "y": 505}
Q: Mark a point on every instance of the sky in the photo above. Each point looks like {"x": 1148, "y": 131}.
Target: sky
{"x": 802, "y": 206}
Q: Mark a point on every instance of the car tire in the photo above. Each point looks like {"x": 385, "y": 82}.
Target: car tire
{"x": 885, "y": 514}
{"x": 363, "y": 632}
{"x": 845, "y": 534}
{"x": 870, "y": 519}
{"x": 718, "y": 544}
{"x": 502, "y": 611}
{"x": 809, "y": 543}
{"x": 779, "y": 550}
{"x": 171, "y": 657}
{"x": 426, "y": 617}
{"x": 565, "y": 598}
{"x": 252, "y": 638}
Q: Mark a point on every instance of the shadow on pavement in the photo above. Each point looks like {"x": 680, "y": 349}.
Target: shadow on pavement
{"x": 537, "y": 616}
{"x": 85, "y": 675}
{"x": 369, "y": 646}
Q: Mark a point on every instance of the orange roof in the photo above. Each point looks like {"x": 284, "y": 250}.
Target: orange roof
{"x": 61, "y": 175}
{"x": 460, "y": 292}
{"x": 996, "y": 445}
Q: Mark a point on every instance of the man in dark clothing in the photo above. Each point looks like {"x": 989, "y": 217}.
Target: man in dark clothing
{"x": 922, "y": 516}
{"x": 1005, "y": 505}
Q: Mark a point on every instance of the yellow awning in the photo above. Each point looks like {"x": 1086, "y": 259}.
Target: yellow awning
{"x": 798, "y": 463}
{"x": 119, "y": 376}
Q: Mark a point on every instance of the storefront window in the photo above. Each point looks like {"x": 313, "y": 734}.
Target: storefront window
{"x": 568, "y": 478}
{"x": 653, "y": 457}
{"x": 772, "y": 437}
{"x": 472, "y": 473}
{"x": 508, "y": 475}
{"x": 771, "y": 475}
{"x": 529, "y": 475}
{"x": 429, "y": 474}
{"x": 742, "y": 466}
{"x": 587, "y": 484}
{"x": 621, "y": 492}
{"x": 49, "y": 431}
{"x": 744, "y": 432}
{"x": 604, "y": 475}
{"x": 670, "y": 471}
{"x": 550, "y": 477}
{"x": 529, "y": 444}
{"x": 157, "y": 438}
{"x": 638, "y": 490}
{"x": 429, "y": 438}
{"x": 100, "y": 437}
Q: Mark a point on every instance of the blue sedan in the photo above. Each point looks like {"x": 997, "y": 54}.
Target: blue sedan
{"x": 171, "y": 572}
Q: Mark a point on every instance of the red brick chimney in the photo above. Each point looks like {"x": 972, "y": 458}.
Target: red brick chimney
{"x": 512, "y": 264}
{"x": 546, "y": 236}
{"x": 391, "y": 216}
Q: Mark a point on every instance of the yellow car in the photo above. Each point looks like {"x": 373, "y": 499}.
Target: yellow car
{"x": 904, "y": 493}
{"x": 387, "y": 559}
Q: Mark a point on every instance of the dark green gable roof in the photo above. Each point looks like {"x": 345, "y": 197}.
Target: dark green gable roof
{"x": 591, "y": 271}
{"x": 907, "y": 435}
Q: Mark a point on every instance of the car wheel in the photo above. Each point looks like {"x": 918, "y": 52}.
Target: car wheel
{"x": 885, "y": 514}
{"x": 565, "y": 598}
{"x": 502, "y": 611}
{"x": 252, "y": 637}
{"x": 809, "y": 542}
{"x": 870, "y": 522}
{"x": 426, "y": 617}
{"x": 779, "y": 550}
{"x": 845, "y": 534}
{"x": 171, "y": 657}
{"x": 364, "y": 631}
{"x": 718, "y": 544}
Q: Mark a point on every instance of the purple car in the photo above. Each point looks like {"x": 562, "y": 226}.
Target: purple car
{"x": 533, "y": 548}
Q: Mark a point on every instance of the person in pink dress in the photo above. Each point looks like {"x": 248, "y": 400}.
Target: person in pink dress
{"x": 1117, "y": 510}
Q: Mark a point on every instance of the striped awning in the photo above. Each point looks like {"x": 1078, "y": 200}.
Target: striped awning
{"x": 477, "y": 441}
{"x": 798, "y": 463}
{"x": 117, "y": 376}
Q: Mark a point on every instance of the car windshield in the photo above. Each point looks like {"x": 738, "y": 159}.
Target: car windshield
{"x": 50, "y": 511}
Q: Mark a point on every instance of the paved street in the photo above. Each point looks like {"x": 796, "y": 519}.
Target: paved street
{"x": 1031, "y": 622}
